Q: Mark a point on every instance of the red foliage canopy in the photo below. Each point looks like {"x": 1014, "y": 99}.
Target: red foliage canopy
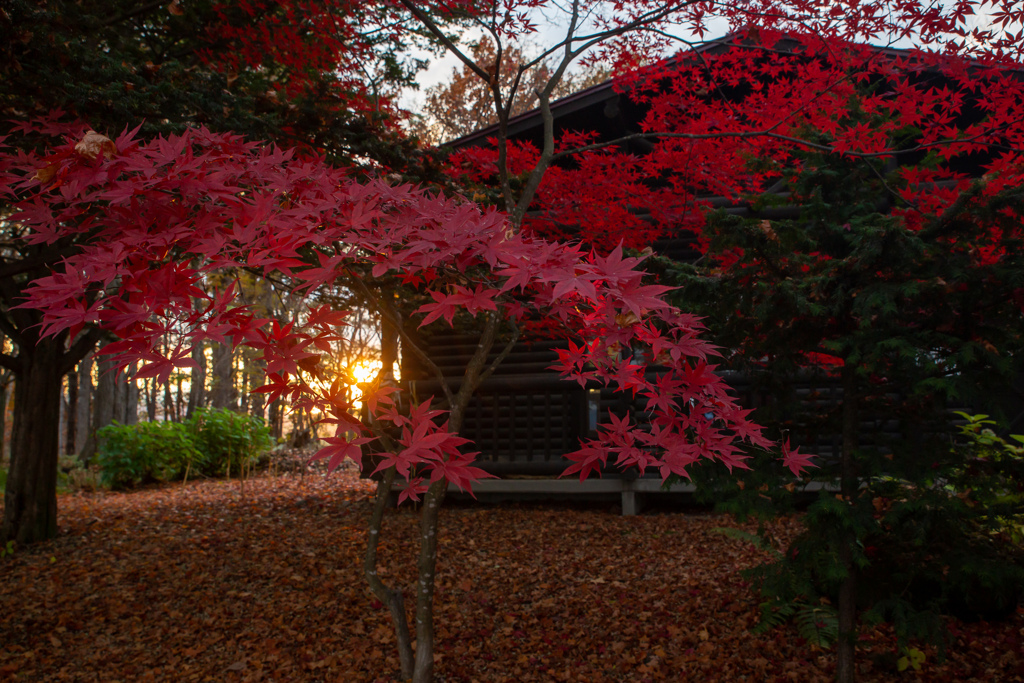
{"x": 148, "y": 220}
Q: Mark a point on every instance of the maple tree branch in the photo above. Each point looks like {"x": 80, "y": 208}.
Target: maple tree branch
{"x": 592, "y": 39}
{"x": 547, "y": 154}
{"x": 503, "y": 354}
{"x": 888, "y": 188}
{"x": 45, "y": 257}
{"x": 407, "y": 340}
{"x": 80, "y": 348}
{"x": 425, "y": 19}
{"x": 471, "y": 378}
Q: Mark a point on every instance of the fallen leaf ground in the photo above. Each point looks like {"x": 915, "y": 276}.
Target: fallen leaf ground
{"x": 210, "y": 582}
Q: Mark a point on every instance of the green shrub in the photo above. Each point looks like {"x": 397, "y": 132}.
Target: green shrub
{"x": 228, "y": 440}
{"x": 213, "y": 443}
{"x": 130, "y": 455}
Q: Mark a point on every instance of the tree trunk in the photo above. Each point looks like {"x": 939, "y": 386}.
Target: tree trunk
{"x": 150, "y": 394}
{"x": 197, "y": 381}
{"x": 275, "y": 415}
{"x": 5, "y": 382}
{"x": 223, "y": 389}
{"x": 84, "y": 399}
{"x": 178, "y": 398}
{"x": 168, "y": 403}
{"x": 392, "y": 598}
{"x": 72, "y": 414}
{"x": 389, "y": 336}
{"x": 130, "y": 403}
{"x": 846, "y": 645}
{"x": 30, "y": 498}
{"x": 116, "y": 399}
{"x": 243, "y": 391}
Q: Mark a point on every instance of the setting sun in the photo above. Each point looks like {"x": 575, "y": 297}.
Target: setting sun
{"x": 365, "y": 370}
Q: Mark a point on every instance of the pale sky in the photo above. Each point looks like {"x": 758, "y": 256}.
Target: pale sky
{"x": 551, "y": 30}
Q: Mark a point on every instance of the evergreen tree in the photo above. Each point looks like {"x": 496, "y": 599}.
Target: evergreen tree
{"x": 854, "y": 283}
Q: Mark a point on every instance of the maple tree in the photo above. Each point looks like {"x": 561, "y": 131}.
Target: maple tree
{"x": 143, "y": 222}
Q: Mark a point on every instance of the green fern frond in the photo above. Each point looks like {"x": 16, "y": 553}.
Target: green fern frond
{"x": 773, "y": 615}
{"x": 818, "y": 624}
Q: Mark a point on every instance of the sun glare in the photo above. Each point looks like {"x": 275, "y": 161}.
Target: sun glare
{"x": 365, "y": 370}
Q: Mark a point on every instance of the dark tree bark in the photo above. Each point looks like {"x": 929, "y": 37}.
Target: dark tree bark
{"x": 178, "y": 398}
{"x": 130, "y": 404}
{"x": 150, "y": 393}
{"x": 5, "y": 382}
{"x": 389, "y": 335}
{"x": 168, "y": 404}
{"x": 276, "y": 419}
{"x": 30, "y": 498}
{"x": 223, "y": 388}
{"x": 115, "y": 399}
{"x": 197, "y": 382}
{"x": 72, "y": 414}
{"x": 846, "y": 645}
{"x": 3, "y": 422}
{"x": 84, "y": 399}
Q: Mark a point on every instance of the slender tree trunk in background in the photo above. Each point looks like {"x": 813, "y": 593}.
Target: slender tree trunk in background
{"x": 103, "y": 410}
{"x": 30, "y": 498}
{"x": 168, "y": 403}
{"x": 115, "y": 399}
{"x": 276, "y": 418}
{"x": 257, "y": 405}
{"x": 3, "y": 422}
{"x": 389, "y": 335}
{"x": 846, "y": 646}
{"x": 223, "y": 385}
{"x": 130, "y": 387}
{"x": 197, "y": 381}
{"x": 72, "y": 414}
{"x": 178, "y": 399}
{"x": 150, "y": 394}
{"x": 62, "y": 417}
{"x": 243, "y": 391}
{"x": 6, "y": 377}
{"x": 84, "y": 398}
